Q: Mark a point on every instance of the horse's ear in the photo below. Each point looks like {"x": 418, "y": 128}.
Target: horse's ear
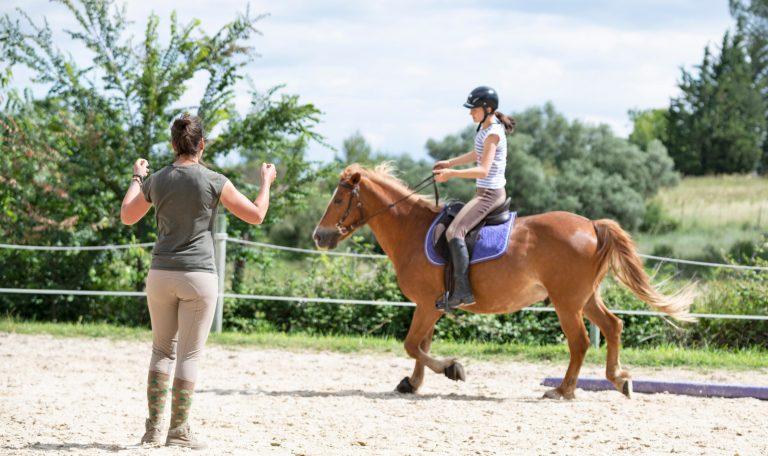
{"x": 354, "y": 179}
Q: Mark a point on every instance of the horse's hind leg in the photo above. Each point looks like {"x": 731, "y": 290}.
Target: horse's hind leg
{"x": 417, "y": 345}
{"x": 572, "y": 324}
{"x": 611, "y": 328}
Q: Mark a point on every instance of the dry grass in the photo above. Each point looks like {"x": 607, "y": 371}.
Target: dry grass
{"x": 716, "y": 201}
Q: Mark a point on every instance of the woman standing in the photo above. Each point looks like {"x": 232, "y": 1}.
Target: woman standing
{"x": 182, "y": 284}
{"x": 490, "y": 159}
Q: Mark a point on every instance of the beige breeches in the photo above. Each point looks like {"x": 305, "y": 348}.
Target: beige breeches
{"x": 181, "y": 307}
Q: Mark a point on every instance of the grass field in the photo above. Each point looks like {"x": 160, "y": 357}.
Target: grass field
{"x": 713, "y": 213}
{"x": 718, "y": 201}
{"x": 668, "y": 356}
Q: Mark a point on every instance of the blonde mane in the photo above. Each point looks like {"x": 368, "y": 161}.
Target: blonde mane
{"x": 384, "y": 173}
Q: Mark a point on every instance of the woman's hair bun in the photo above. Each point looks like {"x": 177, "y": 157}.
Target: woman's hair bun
{"x": 186, "y": 134}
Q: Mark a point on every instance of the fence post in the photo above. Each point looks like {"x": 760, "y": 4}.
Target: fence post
{"x": 594, "y": 335}
{"x": 220, "y": 250}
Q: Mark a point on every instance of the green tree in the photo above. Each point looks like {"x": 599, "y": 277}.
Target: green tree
{"x": 717, "y": 124}
{"x": 752, "y": 18}
{"x": 648, "y": 125}
{"x": 355, "y": 149}
{"x": 452, "y": 145}
{"x": 77, "y": 143}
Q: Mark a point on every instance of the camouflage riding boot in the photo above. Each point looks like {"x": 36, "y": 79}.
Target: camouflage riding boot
{"x": 157, "y": 393}
{"x": 180, "y": 434}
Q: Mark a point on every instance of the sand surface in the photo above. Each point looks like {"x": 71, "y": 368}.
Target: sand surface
{"x": 69, "y": 396}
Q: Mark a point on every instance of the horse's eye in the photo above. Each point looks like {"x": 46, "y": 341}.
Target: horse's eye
{"x": 337, "y": 201}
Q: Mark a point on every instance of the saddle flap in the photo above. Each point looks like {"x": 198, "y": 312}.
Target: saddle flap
{"x": 449, "y": 213}
{"x": 482, "y": 246}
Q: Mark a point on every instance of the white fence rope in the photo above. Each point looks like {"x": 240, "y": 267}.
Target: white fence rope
{"x": 296, "y": 249}
{"x": 346, "y": 254}
{"x": 303, "y": 300}
{"x": 75, "y": 247}
{"x": 300, "y": 300}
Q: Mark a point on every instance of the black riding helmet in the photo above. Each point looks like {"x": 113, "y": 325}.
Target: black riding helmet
{"x": 482, "y": 97}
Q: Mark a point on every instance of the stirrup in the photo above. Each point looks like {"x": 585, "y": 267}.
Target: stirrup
{"x": 442, "y": 304}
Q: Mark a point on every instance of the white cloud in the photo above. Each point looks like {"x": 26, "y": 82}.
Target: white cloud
{"x": 398, "y": 71}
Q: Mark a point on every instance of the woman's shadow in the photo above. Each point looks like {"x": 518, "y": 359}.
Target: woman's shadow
{"x": 393, "y": 395}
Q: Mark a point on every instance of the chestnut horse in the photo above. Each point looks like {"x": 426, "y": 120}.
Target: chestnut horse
{"x": 558, "y": 255}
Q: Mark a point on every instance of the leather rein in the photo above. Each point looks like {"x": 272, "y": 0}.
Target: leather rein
{"x": 343, "y": 230}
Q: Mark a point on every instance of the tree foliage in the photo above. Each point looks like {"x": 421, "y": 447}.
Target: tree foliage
{"x": 66, "y": 156}
{"x": 648, "y": 125}
{"x": 717, "y": 124}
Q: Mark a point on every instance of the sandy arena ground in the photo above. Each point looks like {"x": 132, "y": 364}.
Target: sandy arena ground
{"x": 87, "y": 396}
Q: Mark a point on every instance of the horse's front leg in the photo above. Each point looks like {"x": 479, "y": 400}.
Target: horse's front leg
{"x": 418, "y": 343}
{"x": 412, "y": 383}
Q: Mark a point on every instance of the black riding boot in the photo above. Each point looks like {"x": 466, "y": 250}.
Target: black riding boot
{"x": 462, "y": 291}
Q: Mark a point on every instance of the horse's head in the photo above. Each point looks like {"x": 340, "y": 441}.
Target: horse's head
{"x": 344, "y": 213}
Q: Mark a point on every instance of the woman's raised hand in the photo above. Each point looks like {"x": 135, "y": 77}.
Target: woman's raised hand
{"x": 268, "y": 172}
{"x": 141, "y": 167}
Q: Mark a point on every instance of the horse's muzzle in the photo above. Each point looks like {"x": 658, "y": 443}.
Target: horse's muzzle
{"x": 326, "y": 238}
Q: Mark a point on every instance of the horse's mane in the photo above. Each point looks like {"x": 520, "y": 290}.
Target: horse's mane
{"x": 385, "y": 173}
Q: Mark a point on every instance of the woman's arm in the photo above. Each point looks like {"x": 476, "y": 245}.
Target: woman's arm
{"x": 476, "y": 172}
{"x": 247, "y": 211}
{"x": 134, "y": 205}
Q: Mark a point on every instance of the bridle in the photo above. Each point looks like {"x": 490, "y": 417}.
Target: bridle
{"x": 344, "y": 230}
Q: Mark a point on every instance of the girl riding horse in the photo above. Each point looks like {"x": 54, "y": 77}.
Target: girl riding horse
{"x": 490, "y": 158}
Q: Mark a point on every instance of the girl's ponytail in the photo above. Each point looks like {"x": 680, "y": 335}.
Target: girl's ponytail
{"x": 509, "y": 123}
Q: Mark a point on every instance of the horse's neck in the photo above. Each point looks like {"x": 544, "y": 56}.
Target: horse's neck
{"x": 400, "y": 230}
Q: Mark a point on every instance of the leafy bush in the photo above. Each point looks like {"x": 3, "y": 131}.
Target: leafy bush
{"x": 88, "y": 270}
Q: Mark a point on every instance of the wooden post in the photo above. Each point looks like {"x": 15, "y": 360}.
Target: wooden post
{"x": 594, "y": 335}
{"x": 220, "y": 251}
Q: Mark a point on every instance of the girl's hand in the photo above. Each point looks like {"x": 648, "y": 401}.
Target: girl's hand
{"x": 442, "y": 175}
{"x": 268, "y": 172}
{"x": 141, "y": 167}
{"x": 442, "y": 164}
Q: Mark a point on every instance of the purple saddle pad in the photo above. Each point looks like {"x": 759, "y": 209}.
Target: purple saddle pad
{"x": 492, "y": 242}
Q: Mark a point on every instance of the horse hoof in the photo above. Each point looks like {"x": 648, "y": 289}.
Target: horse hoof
{"x": 552, "y": 394}
{"x": 455, "y": 372}
{"x": 627, "y": 388}
{"x": 405, "y": 387}
{"x": 557, "y": 394}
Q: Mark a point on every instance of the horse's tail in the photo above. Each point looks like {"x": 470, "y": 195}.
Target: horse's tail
{"x": 616, "y": 249}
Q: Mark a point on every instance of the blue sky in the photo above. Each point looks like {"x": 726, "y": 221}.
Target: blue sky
{"x": 398, "y": 71}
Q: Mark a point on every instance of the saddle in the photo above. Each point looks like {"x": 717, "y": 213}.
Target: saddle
{"x": 498, "y": 216}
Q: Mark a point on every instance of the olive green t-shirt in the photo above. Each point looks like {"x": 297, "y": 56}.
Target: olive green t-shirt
{"x": 185, "y": 199}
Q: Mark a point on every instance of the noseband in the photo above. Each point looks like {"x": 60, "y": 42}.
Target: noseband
{"x": 344, "y": 230}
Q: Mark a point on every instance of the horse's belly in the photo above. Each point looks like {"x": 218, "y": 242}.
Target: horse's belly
{"x": 507, "y": 300}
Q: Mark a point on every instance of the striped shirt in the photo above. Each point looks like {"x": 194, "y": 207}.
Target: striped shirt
{"x": 495, "y": 178}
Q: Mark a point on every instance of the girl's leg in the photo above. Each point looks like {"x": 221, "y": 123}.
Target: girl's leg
{"x": 470, "y": 215}
{"x": 485, "y": 201}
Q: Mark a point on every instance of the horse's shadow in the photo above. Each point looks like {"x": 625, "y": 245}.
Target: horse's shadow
{"x": 352, "y": 393}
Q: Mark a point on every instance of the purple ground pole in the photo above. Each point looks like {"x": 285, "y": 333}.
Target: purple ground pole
{"x": 685, "y": 388}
